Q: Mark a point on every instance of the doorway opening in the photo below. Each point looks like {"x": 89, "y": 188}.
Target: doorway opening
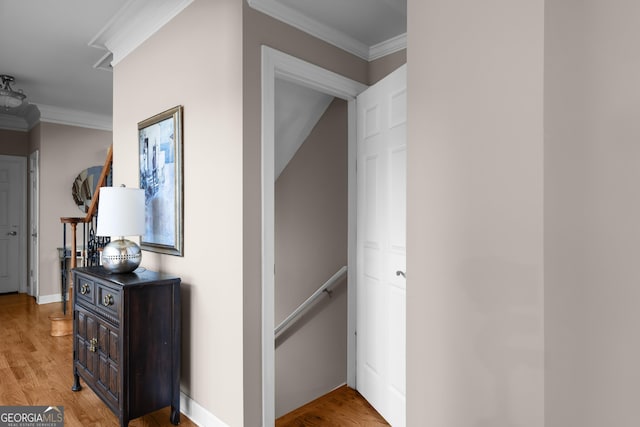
{"x": 278, "y": 65}
{"x": 310, "y": 245}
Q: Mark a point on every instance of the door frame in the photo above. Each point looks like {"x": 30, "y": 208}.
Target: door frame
{"x": 22, "y": 241}
{"x": 34, "y": 224}
{"x": 277, "y": 64}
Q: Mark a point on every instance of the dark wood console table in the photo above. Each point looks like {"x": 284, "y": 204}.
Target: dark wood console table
{"x": 126, "y": 345}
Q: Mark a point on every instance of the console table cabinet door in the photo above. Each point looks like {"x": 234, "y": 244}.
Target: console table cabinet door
{"x": 108, "y": 380}
{"x": 85, "y": 356}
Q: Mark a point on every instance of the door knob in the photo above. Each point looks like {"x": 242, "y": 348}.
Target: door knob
{"x": 401, "y": 273}
{"x": 12, "y": 233}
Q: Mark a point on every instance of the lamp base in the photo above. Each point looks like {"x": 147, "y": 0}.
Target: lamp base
{"x": 121, "y": 256}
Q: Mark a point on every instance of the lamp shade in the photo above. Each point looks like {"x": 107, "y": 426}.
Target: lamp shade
{"x": 121, "y": 212}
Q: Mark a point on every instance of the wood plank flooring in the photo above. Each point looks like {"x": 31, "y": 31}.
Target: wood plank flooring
{"x": 35, "y": 369}
{"x": 343, "y": 407}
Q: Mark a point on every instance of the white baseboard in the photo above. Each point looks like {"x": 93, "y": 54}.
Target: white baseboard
{"x": 198, "y": 414}
{"x": 48, "y": 299}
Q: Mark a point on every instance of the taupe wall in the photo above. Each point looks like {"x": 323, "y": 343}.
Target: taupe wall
{"x": 196, "y": 61}
{"x": 14, "y": 143}
{"x": 475, "y": 318}
{"x": 592, "y": 206}
{"x": 311, "y": 245}
{"x": 64, "y": 152}
{"x": 382, "y": 67}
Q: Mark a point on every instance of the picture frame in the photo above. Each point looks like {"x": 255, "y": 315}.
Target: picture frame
{"x": 160, "y": 167}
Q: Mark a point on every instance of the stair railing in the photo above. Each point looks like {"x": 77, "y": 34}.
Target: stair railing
{"x": 286, "y": 323}
{"x": 91, "y": 243}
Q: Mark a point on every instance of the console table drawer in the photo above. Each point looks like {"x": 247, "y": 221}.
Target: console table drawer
{"x": 108, "y": 299}
{"x": 86, "y": 290}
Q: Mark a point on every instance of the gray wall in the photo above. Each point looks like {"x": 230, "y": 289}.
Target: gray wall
{"x": 475, "y": 291}
{"x": 480, "y": 83}
{"x": 592, "y": 211}
{"x": 311, "y": 245}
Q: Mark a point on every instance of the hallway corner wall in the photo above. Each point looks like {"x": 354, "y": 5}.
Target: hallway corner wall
{"x": 475, "y": 290}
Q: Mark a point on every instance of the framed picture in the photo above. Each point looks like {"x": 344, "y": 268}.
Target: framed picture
{"x": 160, "y": 157}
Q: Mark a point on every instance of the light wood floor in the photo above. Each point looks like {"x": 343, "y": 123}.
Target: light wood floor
{"x": 35, "y": 369}
{"x": 343, "y": 407}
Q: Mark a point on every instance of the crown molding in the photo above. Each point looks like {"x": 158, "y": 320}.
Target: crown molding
{"x": 134, "y": 23}
{"x": 330, "y": 35}
{"x": 311, "y": 26}
{"x": 104, "y": 63}
{"x": 37, "y": 113}
{"x": 388, "y": 47}
{"x": 66, "y": 116}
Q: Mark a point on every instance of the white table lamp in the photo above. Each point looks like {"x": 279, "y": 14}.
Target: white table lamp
{"x": 121, "y": 213}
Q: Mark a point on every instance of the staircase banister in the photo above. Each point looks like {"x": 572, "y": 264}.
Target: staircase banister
{"x": 286, "y": 323}
{"x": 101, "y": 182}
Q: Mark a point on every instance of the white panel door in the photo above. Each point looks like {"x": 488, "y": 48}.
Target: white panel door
{"x": 381, "y": 247}
{"x": 12, "y": 189}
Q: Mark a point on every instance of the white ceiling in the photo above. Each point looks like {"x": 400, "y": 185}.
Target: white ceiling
{"x": 45, "y": 45}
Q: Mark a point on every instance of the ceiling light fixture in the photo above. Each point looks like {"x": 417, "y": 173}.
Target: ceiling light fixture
{"x": 9, "y": 97}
